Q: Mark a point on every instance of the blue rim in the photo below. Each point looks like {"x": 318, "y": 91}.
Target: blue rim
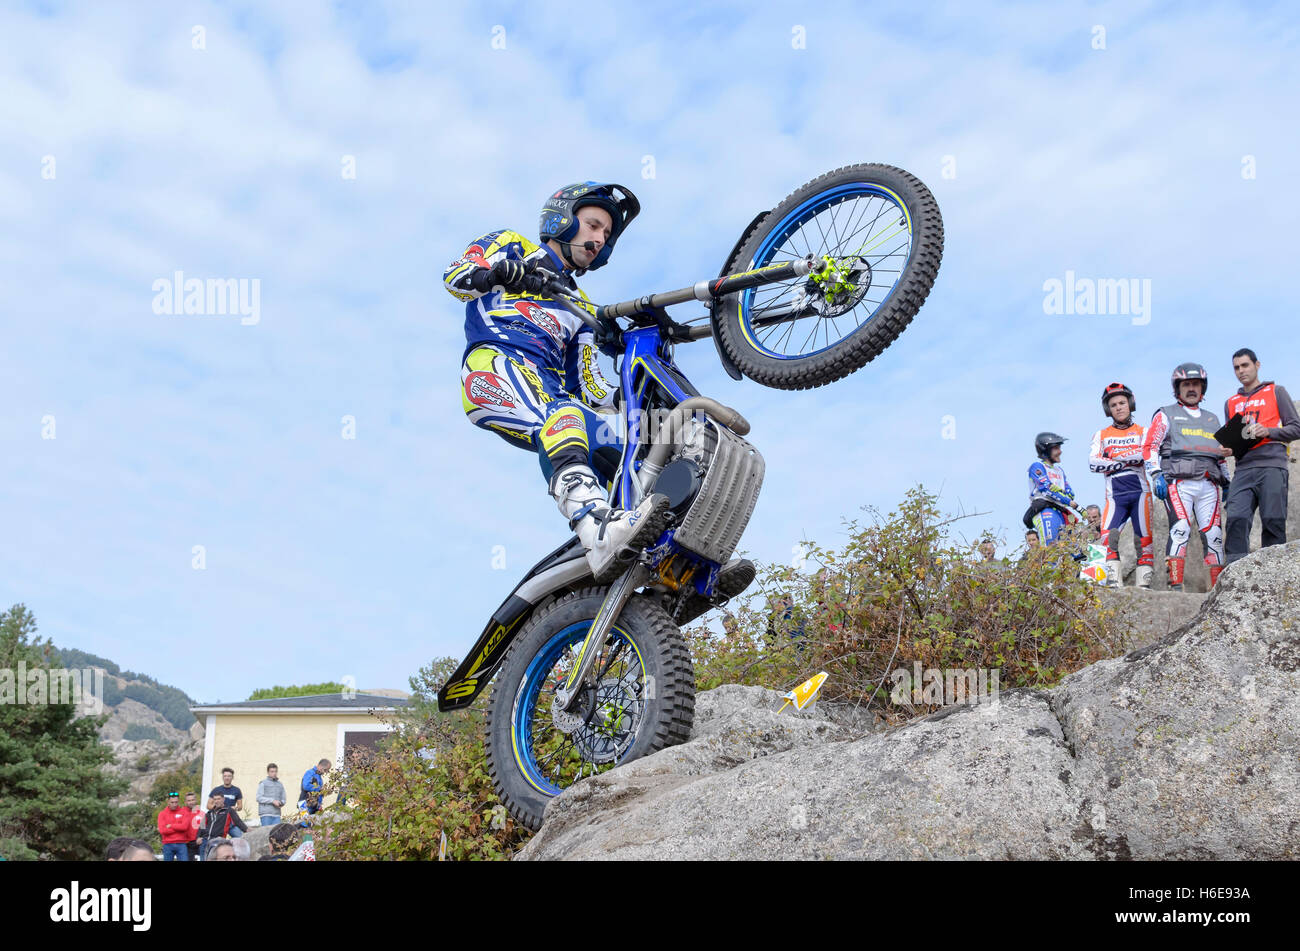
{"x": 525, "y": 708}
{"x": 794, "y": 219}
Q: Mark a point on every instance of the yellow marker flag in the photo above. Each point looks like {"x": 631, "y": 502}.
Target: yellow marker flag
{"x": 803, "y": 694}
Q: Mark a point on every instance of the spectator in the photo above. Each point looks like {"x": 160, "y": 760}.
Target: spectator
{"x": 223, "y": 850}
{"x": 1052, "y": 505}
{"x": 1093, "y": 514}
{"x": 781, "y": 625}
{"x": 270, "y": 796}
{"x": 126, "y": 849}
{"x": 174, "y": 825}
{"x": 283, "y": 839}
{"x": 1031, "y": 542}
{"x": 231, "y": 794}
{"x": 988, "y": 550}
{"x": 220, "y": 821}
{"x": 243, "y": 851}
{"x": 1116, "y": 454}
{"x": 305, "y": 852}
{"x": 1184, "y": 464}
{"x": 196, "y": 823}
{"x": 1260, "y": 481}
{"x": 313, "y": 782}
{"x": 116, "y": 847}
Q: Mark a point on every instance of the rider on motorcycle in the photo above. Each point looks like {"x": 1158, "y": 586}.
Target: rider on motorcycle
{"x": 529, "y": 372}
{"x": 1185, "y": 465}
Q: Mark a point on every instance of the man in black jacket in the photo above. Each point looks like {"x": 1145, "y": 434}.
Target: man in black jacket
{"x": 219, "y": 822}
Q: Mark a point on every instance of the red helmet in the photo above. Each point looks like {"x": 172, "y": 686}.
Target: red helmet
{"x": 1113, "y": 389}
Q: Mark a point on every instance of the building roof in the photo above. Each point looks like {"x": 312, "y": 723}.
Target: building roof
{"x": 315, "y": 703}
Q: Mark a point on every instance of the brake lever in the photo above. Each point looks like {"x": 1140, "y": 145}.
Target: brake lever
{"x": 554, "y": 289}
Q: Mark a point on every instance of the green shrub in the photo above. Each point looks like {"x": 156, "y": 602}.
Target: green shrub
{"x": 400, "y": 802}
{"x": 902, "y": 592}
{"x": 138, "y": 731}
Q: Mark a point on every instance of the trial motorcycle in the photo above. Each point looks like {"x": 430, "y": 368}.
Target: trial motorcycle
{"x": 584, "y": 676}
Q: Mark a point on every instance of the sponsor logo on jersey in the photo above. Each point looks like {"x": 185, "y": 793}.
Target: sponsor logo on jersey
{"x": 488, "y": 389}
{"x": 541, "y": 318}
{"x": 569, "y": 421}
{"x": 527, "y": 371}
{"x": 589, "y": 375}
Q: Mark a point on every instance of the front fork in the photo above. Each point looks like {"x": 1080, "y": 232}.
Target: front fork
{"x": 566, "y": 697}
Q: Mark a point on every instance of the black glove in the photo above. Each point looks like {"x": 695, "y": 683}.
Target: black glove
{"x": 505, "y": 274}
{"x": 533, "y": 283}
{"x": 609, "y": 338}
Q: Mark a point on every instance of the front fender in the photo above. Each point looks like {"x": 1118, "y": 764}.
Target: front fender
{"x": 562, "y": 568}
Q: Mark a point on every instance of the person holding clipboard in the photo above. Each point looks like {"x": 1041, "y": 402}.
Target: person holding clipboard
{"x": 1268, "y": 421}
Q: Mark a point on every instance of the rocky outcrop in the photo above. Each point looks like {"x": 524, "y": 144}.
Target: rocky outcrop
{"x": 1146, "y": 616}
{"x": 131, "y": 713}
{"x": 1186, "y": 748}
{"x": 140, "y": 762}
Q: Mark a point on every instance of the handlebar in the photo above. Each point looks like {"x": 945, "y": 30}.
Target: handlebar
{"x": 707, "y": 291}
{"x": 711, "y": 290}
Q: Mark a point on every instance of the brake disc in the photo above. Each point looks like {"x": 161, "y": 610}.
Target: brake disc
{"x": 841, "y": 287}
{"x": 610, "y": 730}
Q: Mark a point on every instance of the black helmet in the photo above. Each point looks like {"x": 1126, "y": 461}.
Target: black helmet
{"x": 1117, "y": 389}
{"x": 559, "y": 218}
{"x": 1190, "y": 371}
{"x": 1044, "y": 442}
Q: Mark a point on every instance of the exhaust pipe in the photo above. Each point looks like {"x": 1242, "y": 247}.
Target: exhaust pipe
{"x": 654, "y": 462}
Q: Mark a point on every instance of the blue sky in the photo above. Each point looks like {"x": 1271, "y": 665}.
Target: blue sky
{"x": 367, "y": 557}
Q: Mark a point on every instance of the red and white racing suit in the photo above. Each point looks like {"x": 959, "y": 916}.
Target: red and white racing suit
{"x": 1180, "y": 445}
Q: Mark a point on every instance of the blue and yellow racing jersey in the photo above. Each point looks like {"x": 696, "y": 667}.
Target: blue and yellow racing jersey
{"x": 535, "y": 326}
{"x": 1048, "y": 482}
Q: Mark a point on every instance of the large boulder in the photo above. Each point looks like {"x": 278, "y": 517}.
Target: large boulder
{"x": 1189, "y": 747}
{"x": 1146, "y": 616}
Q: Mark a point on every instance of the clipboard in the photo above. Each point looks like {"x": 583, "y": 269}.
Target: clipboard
{"x": 1230, "y": 435}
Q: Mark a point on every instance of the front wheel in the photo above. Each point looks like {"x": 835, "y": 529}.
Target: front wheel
{"x": 878, "y": 231}
{"x": 643, "y": 700}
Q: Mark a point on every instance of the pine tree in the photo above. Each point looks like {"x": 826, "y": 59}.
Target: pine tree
{"x": 54, "y": 796}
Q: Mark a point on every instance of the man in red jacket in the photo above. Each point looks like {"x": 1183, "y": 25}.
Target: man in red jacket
{"x": 174, "y": 825}
{"x": 1260, "y": 481}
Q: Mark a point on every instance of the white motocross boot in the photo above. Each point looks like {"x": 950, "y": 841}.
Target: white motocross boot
{"x": 1144, "y": 576}
{"x": 612, "y": 537}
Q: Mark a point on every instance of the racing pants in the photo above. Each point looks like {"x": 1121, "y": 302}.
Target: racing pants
{"x": 1049, "y": 523}
{"x": 1117, "y": 511}
{"x": 506, "y": 392}
{"x": 1188, "y": 498}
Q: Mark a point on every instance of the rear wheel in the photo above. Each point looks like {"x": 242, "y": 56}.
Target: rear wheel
{"x": 878, "y": 230}
{"x": 643, "y": 701}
